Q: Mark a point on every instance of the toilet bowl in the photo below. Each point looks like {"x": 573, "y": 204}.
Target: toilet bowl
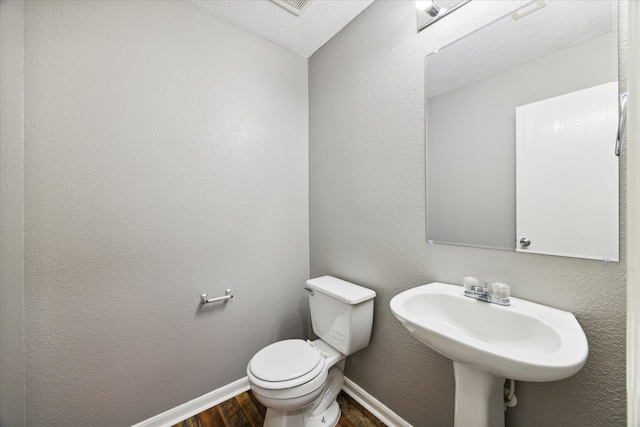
{"x": 298, "y": 381}
{"x": 293, "y": 377}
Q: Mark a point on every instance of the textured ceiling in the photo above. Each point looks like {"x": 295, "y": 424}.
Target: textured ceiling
{"x": 302, "y": 34}
{"x": 506, "y": 43}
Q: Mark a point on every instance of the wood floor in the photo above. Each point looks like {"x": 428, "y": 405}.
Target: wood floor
{"x": 244, "y": 410}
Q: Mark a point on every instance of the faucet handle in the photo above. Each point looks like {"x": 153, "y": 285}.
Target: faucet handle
{"x": 470, "y": 283}
{"x": 501, "y": 290}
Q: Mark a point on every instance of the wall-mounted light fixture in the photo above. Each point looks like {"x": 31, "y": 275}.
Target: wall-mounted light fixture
{"x": 429, "y": 11}
{"x": 431, "y": 7}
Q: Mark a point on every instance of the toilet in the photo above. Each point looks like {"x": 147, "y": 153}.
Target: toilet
{"x": 298, "y": 381}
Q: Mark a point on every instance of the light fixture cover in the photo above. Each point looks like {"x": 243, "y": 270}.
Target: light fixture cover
{"x": 527, "y": 9}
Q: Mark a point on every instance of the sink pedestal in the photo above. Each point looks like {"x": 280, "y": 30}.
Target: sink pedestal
{"x": 479, "y": 398}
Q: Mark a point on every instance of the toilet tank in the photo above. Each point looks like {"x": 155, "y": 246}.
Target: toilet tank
{"x": 341, "y": 313}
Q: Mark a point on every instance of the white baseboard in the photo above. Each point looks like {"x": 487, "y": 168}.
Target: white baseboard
{"x": 373, "y": 405}
{"x": 197, "y": 405}
{"x": 202, "y": 403}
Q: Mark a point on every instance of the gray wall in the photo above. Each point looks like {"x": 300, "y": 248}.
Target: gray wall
{"x": 146, "y": 185}
{"x": 367, "y": 225}
{"x": 165, "y": 156}
{"x": 12, "y": 401}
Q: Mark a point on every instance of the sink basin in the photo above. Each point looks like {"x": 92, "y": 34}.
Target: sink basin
{"x": 523, "y": 341}
{"x": 488, "y": 342}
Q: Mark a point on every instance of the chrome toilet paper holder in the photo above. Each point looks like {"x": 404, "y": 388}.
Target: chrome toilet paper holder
{"x": 204, "y": 298}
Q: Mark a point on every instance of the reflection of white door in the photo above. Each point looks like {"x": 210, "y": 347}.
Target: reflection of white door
{"x": 567, "y": 174}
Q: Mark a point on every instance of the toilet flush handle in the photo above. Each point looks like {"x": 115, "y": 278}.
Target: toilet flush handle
{"x": 310, "y": 291}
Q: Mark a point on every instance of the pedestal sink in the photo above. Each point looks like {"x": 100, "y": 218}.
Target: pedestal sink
{"x": 487, "y": 343}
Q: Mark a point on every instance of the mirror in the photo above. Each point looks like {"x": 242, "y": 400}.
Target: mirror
{"x": 474, "y": 86}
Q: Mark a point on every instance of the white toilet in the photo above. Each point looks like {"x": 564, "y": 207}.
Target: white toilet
{"x": 298, "y": 381}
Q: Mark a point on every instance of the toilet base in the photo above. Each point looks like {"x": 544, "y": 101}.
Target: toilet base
{"x": 276, "y": 418}
{"x": 329, "y": 418}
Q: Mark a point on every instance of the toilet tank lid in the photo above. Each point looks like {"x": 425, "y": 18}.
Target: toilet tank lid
{"x": 342, "y": 290}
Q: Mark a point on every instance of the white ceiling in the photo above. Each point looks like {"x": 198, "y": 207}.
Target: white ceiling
{"x": 302, "y": 34}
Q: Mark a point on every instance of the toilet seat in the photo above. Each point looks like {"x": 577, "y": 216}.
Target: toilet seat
{"x": 285, "y": 364}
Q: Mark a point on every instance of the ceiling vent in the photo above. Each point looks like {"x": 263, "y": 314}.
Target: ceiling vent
{"x": 295, "y": 6}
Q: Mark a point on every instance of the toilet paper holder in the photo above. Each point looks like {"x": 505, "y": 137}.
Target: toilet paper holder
{"x": 204, "y": 298}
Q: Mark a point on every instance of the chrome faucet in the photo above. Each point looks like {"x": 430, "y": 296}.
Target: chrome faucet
{"x": 499, "y": 293}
